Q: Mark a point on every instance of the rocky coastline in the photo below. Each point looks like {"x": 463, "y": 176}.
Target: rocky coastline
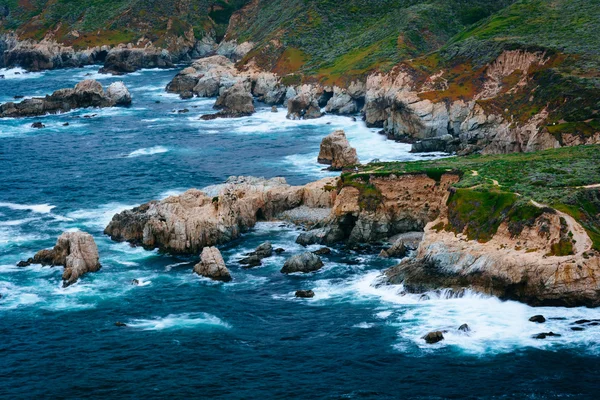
{"x": 87, "y": 93}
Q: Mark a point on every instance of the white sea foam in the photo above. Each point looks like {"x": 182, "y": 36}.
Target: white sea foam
{"x": 179, "y": 321}
{"x": 19, "y": 73}
{"x": 17, "y": 222}
{"x": 37, "y": 208}
{"x": 148, "y": 151}
{"x": 98, "y": 217}
{"x": 496, "y": 326}
{"x": 364, "y": 325}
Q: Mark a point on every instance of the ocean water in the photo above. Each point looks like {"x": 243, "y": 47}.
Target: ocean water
{"x": 190, "y": 337}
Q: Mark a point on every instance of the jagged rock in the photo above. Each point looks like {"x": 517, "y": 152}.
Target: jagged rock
{"x": 443, "y": 144}
{"x": 305, "y": 294}
{"x": 234, "y": 102}
{"x": 433, "y": 337}
{"x": 119, "y": 94}
{"x": 322, "y": 251}
{"x": 316, "y": 236}
{"x": 135, "y": 282}
{"x": 303, "y": 106}
{"x": 38, "y": 125}
{"x": 337, "y": 152}
{"x": 464, "y": 328}
{"x": 305, "y": 262}
{"x": 76, "y": 251}
{"x": 341, "y": 103}
{"x": 87, "y": 93}
{"x": 538, "y": 319}
{"x": 205, "y": 78}
{"x": 196, "y": 219}
{"x": 122, "y": 60}
{"x": 544, "y": 335}
{"x": 255, "y": 258}
{"x": 212, "y": 266}
{"x": 398, "y": 250}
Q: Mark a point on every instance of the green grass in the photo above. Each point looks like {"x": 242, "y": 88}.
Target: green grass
{"x": 552, "y": 177}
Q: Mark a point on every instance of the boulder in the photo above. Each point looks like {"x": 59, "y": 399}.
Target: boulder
{"x": 38, "y": 125}
{"x": 212, "y": 266}
{"x": 544, "y": 335}
{"x": 76, "y": 251}
{"x": 323, "y": 251}
{"x": 305, "y": 294}
{"x": 397, "y": 250}
{"x": 464, "y": 328}
{"x": 433, "y": 337}
{"x": 254, "y": 259}
{"x": 537, "y": 319}
{"x": 315, "y": 236}
{"x": 303, "y": 106}
{"x": 305, "y": 262}
{"x": 234, "y": 102}
{"x": 119, "y": 94}
{"x": 337, "y": 152}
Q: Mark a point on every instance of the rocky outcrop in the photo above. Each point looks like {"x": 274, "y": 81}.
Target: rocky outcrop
{"x": 47, "y": 54}
{"x": 197, "y": 219}
{"x": 337, "y": 152}
{"x": 518, "y": 265}
{"x": 233, "y": 102}
{"x": 87, "y": 93}
{"x": 398, "y": 204}
{"x": 212, "y": 266}
{"x": 305, "y": 263}
{"x": 305, "y": 294}
{"x": 255, "y": 258}
{"x": 123, "y": 59}
{"x": 397, "y": 250}
{"x": 303, "y": 106}
{"x": 205, "y": 78}
{"x": 76, "y": 251}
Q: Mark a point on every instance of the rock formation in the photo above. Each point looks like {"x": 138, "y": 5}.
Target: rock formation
{"x": 337, "y": 152}
{"x": 197, "y": 219}
{"x": 123, "y": 59}
{"x": 212, "y": 266}
{"x": 305, "y": 263}
{"x": 87, "y": 93}
{"x": 303, "y": 106}
{"x": 233, "y": 102}
{"x": 255, "y": 258}
{"x": 76, "y": 251}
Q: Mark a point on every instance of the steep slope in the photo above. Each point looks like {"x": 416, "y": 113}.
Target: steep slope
{"x": 336, "y": 41}
{"x": 89, "y": 23}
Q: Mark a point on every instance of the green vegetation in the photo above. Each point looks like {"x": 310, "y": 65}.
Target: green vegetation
{"x": 504, "y": 184}
{"x": 341, "y": 40}
{"x": 116, "y": 21}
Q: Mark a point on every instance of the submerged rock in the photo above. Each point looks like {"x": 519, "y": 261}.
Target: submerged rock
{"x": 120, "y": 324}
{"x": 544, "y": 335}
{"x": 337, "y": 152}
{"x": 305, "y": 294}
{"x": 87, "y": 93}
{"x": 76, "y": 251}
{"x": 433, "y": 337}
{"x": 212, "y": 265}
{"x": 464, "y": 328}
{"x": 305, "y": 262}
{"x": 38, "y": 125}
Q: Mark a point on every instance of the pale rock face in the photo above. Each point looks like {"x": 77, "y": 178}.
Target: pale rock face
{"x": 337, "y": 152}
{"x": 341, "y": 102}
{"x": 305, "y": 263}
{"x": 212, "y": 265}
{"x": 303, "y": 106}
{"x": 76, "y": 251}
{"x": 233, "y": 50}
{"x": 517, "y": 268}
{"x": 196, "y": 219}
{"x": 119, "y": 94}
{"x": 235, "y": 101}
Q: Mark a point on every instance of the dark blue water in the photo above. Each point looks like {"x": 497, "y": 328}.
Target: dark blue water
{"x": 189, "y": 337}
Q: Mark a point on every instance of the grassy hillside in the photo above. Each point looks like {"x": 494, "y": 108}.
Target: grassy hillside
{"x": 493, "y": 188}
{"x": 116, "y": 21}
{"x": 335, "y": 40}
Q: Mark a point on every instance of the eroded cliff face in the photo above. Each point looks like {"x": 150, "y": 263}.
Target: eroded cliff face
{"x": 367, "y": 212}
{"x": 545, "y": 261}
